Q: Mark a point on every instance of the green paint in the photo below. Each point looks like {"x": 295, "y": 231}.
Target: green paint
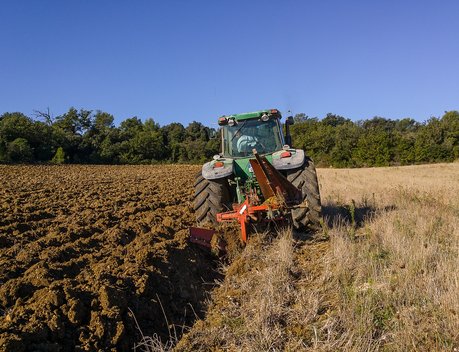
{"x": 239, "y": 192}
{"x": 241, "y": 166}
{"x": 252, "y": 115}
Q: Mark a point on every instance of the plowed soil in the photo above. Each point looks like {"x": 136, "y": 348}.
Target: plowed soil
{"x": 83, "y": 246}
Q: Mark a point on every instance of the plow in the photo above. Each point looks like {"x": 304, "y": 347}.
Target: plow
{"x": 257, "y": 179}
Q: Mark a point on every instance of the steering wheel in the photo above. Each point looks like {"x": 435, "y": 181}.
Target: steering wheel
{"x": 260, "y": 147}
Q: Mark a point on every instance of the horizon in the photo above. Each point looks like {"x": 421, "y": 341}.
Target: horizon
{"x": 35, "y": 117}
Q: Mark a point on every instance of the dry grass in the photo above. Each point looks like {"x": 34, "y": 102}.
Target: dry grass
{"x": 387, "y": 278}
{"x": 397, "y": 271}
{"x": 249, "y": 307}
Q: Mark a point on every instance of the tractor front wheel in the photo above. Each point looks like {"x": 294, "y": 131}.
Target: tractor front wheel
{"x": 210, "y": 197}
{"x": 305, "y": 179}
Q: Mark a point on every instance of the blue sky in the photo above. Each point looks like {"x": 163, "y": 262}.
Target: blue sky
{"x": 183, "y": 60}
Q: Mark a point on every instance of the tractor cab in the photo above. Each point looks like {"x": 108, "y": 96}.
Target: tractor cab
{"x": 243, "y": 133}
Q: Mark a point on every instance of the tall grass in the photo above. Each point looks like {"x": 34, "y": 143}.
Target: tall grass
{"x": 386, "y": 279}
{"x": 398, "y": 278}
{"x": 250, "y": 310}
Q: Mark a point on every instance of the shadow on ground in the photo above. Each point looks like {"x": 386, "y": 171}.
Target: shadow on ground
{"x": 335, "y": 215}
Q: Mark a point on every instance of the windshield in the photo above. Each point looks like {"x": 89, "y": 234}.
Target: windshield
{"x": 239, "y": 140}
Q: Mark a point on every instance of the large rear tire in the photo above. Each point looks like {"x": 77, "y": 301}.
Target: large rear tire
{"x": 210, "y": 197}
{"x": 305, "y": 179}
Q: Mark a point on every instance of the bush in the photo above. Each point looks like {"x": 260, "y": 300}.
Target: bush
{"x": 59, "y": 157}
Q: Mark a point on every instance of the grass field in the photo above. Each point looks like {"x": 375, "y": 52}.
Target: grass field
{"x": 396, "y": 269}
{"x": 87, "y": 249}
{"x": 382, "y": 276}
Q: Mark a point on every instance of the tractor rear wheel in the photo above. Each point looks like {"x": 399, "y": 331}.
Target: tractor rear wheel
{"x": 210, "y": 197}
{"x": 305, "y": 179}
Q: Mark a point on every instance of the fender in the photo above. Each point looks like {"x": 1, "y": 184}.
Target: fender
{"x": 210, "y": 171}
{"x": 283, "y": 162}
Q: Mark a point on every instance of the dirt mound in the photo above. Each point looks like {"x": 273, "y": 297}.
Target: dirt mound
{"x": 81, "y": 245}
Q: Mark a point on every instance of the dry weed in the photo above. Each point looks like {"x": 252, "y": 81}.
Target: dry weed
{"x": 398, "y": 278}
{"x": 387, "y": 279}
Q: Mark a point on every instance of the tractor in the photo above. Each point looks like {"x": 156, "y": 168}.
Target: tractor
{"x": 257, "y": 178}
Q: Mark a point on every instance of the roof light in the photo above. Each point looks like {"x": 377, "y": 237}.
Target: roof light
{"x": 222, "y": 121}
{"x": 264, "y": 117}
{"x": 274, "y": 111}
{"x": 286, "y": 154}
{"x": 231, "y": 122}
{"x": 218, "y": 164}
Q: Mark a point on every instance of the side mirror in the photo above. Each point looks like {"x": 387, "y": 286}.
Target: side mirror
{"x": 288, "y": 138}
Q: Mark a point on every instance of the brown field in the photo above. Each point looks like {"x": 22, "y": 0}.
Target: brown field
{"x": 81, "y": 246}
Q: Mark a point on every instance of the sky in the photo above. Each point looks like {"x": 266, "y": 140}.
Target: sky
{"x": 183, "y": 60}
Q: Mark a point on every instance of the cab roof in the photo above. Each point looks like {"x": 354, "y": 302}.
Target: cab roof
{"x": 255, "y": 114}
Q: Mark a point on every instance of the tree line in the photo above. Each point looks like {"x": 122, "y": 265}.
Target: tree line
{"x": 339, "y": 142}
{"x": 84, "y": 136}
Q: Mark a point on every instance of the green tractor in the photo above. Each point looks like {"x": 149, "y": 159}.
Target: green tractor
{"x": 235, "y": 175}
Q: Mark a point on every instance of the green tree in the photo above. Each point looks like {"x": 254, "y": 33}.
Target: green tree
{"x": 374, "y": 148}
{"x": 59, "y": 157}
{"x": 130, "y": 127}
{"x": 404, "y": 138}
{"x": 103, "y": 120}
{"x": 334, "y": 120}
{"x": 429, "y": 145}
{"x": 74, "y": 121}
{"x": 450, "y": 123}
{"x": 110, "y": 148}
{"x": 19, "y": 150}
{"x": 345, "y": 142}
{"x": 36, "y": 133}
{"x": 174, "y": 134}
{"x": 68, "y": 131}
{"x": 91, "y": 143}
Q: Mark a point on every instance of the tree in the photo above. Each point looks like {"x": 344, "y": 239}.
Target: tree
{"x": 378, "y": 123}
{"x": 374, "y": 148}
{"x": 68, "y": 132}
{"x": 334, "y": 120}
{"x": 148, "y": 146}
{"x": 19, "y": 150}
{"x": 110, "y": 147}
{"x": 197, "y": 131}
{"x": 130, "y": 127}
{"x": 36, "y": 133}
{"x": 74, "y": 122}
{"x": 81, "y": 136}
{"x": 59, "y": 157}
{"x": 450, "y": 123}
{"x": 346, "y": 138}
{"x": 430, "y": 143}
{"x": 174, "y": 135}
{"x": 45, "y": 116}
{"x": 103, "y": 120}
{"x": 16, "y": 125}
